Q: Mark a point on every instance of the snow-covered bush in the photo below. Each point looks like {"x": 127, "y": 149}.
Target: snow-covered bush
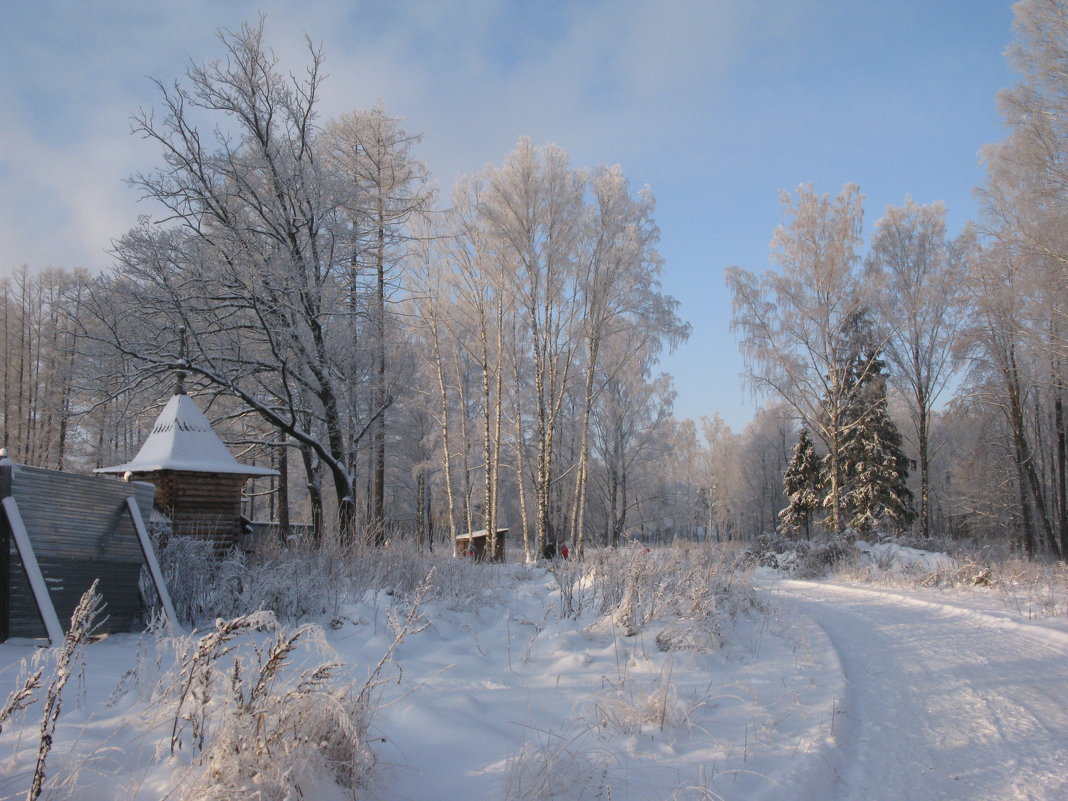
{"x": 882, "y": 557}
{"x": 634, "y": 585}
{"x": 303, "y": 581}
{"x": 803, "y": 558}
{"x": 556, "y": 769}
{"x": 630, "y": 707}
{"x": 296, "y": 583}
{"x": 1031, "y": 588}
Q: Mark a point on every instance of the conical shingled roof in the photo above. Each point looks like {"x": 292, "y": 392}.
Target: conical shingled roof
{"x": 182, "y": 439}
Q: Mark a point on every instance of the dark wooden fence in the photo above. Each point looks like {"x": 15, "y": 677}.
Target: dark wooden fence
{"x": 80, "y": 528}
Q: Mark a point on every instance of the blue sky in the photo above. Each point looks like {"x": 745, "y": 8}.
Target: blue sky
{"x": 716, "y": 105}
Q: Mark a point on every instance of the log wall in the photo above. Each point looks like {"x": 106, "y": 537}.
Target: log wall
{"x": 202, "y": 505}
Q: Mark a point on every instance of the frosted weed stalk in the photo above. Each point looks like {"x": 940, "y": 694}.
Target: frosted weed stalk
{"x": 68, "y": 656}
{"x": 552, "y": 768}
{"x": 264, "y": 715}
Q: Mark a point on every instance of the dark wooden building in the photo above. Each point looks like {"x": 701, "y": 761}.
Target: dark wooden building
{"x": 198, "y": 481}
{"x": 477, "y": 544}
{"x": 58, "y": 533}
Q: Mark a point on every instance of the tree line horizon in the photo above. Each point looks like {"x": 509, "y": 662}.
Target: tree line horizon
{"x": 422, "y": 368}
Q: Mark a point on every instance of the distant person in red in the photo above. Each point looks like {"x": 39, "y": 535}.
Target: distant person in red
{"x": 563, "y": 551}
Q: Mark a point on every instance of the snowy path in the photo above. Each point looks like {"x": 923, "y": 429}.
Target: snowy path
{"x": 942, "y": 701}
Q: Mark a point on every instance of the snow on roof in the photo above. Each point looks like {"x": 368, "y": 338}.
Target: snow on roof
{"x": 182, "y": 439}
{"x": 474, "y": 535}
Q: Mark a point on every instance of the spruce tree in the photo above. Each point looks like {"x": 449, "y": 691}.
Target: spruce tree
{"x": 802, "y": 483}
{"x": 875, "y": 465}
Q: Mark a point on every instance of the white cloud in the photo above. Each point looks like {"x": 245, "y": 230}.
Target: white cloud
{"x": 606, "y": 80}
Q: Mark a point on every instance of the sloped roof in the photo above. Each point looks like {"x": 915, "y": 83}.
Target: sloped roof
{"x": 182, "y": 439}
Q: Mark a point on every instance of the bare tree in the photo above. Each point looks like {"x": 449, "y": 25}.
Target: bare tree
{"x": 384, "y": 187}
{"x": 920, "y": 302}
{"x": 1023, "y": 334}
{"x": 533, "y": 207}
{"x": 797, "y": 325}
{"x": 253, "y": 263}
{"x": 619, "y": 297}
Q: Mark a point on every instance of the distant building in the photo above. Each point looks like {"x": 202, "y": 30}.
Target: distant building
{"x": 477, "y": 544}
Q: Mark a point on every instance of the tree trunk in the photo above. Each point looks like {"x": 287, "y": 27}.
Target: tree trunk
{"x": 315, "y": 493}
{"x": 923, "y": 432}
{"x": 1024, "y": 461}
{"x": 379, "y": 438}
{"x": 283, "y": 491}
{"x": 1061, "y": 466}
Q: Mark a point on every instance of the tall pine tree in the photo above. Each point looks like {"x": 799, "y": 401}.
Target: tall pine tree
{"x": 803, "y": 484}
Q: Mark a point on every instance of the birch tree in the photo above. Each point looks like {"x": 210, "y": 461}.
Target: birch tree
{"x": 794, "y": 324}
{"x": 920, "y": 300}
{"x": 619, "y": 296}
{"x": 1023, "y": 202}
{"x": 533, "y": 207}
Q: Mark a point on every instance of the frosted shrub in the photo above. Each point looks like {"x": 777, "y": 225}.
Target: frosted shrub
{"x": 573, "y": 590}
{"x": 636, "y": 585}
{"x": 803, "y": 558}
{"x": 556, "y": 769}
{"x": 628, "y": 708}
{"x": 700, "y": 635}
{"x": 302, "y": 581}
{"x": 402, "y": 569}
{"x": 1031, "y": 588}
{"x": 260, "y": 725}
{"x": 296, "y": 583}
{"x": 826, "y": 557}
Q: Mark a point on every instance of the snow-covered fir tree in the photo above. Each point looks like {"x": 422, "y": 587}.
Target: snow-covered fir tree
{"x": 873, "y": 459}
{"x": 803, "y": 485}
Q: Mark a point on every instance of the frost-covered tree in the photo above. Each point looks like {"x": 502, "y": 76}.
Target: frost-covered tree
{"x": 794, "y": 322}
{"x": 382, "y": 189}
{"x": 1018, "y": 343}
{"x": 627, "y": 437}
{"x": 621, "y": 304}
{"x": 874, "y": 462}
{"x": 254, "y": 257}
{"x": 803, "y": 485}
{"x": 921, "y": 306}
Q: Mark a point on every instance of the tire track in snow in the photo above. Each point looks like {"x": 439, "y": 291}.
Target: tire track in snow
{"x": 942, "y": 701}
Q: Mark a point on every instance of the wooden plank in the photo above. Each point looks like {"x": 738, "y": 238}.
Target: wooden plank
{"x": 153, "y": 563}
{"x": 33, "y": 571}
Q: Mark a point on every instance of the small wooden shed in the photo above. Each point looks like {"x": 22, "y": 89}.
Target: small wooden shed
{"x": 198, "y": 481}
{"x": 477, "y": 544}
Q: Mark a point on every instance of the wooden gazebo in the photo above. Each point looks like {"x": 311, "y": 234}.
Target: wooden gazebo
{"x": 198, "y": 481}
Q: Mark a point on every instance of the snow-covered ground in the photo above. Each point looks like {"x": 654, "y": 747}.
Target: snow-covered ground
{"x": 794, "y": 690}
{"x": 948, "y": 694}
